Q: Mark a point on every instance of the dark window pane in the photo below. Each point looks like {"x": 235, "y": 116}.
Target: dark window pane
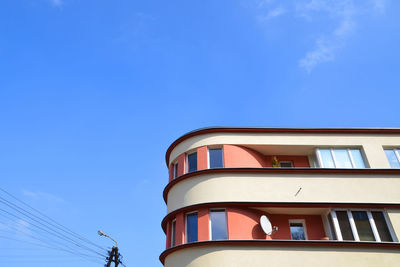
{"x": 363, "y": 227}
{"x": 286, "y": 164}
{"x": 332, "y": 227}
{"x": 192, "y": 162}
{"x": 218, "y": 225}
{"x": 216, "y": 160}
{"x": 297, "y": 231}
{"x": 175, "y": 170}
{"x": 382, "y": 227}
{"x": 173, "y": 230}
{"x": 344, "y": 225}
{"x": 191, "y": 224}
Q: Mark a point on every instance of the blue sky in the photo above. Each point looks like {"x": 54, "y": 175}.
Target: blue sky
{"x": 93, "y": 92}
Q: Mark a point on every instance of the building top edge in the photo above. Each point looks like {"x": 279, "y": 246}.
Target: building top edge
{"x": 230, "y": 129}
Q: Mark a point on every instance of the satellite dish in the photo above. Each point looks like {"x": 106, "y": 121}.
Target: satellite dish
{"x": 266, "y": 225}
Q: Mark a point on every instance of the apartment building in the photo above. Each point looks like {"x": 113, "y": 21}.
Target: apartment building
{"x": 332, "y": 194}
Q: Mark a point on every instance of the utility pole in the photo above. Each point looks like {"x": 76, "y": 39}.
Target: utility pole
{"x": 114, "y": 255}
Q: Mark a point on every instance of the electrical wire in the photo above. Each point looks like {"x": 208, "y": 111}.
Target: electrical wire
{"x": 69, "y": 249}
{"x": 61, "y": 227}
{"x": 56, "y": 233}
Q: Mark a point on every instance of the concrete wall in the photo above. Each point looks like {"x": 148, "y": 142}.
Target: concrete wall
{"x": 371, "y": 143}
{"x": 264, "y": 187}
{"x": 253, "y": 256}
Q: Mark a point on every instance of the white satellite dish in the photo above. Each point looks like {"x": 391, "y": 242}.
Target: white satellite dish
{"x": 266, "y": 225}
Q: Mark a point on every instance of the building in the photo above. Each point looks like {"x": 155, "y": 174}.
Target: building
{"x": 334, "y": 195}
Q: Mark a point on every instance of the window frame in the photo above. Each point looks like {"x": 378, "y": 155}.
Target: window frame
{"x": 396, "y": 153}
{"x": 208, "y": 156}
{"x": 354, "y": 227}
{"x": 186, "y": 228}
{"x": 335, "y": 162}
{"x": 303, "y": 222}
{"x": 210, "y": 224}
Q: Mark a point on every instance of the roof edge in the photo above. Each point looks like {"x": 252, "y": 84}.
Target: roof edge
{"x": 221, "y": 129}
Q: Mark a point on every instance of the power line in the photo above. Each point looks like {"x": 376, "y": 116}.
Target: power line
{"x": 66, "y": 229}
{"x": 49, "y": 247}
{"x": 69, "y": 249}
{"x": 56, "y": 233}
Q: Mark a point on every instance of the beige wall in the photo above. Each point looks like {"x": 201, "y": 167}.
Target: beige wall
{"x": 371, "y": 144}
{"x": 258, "y": 256}
{"x": 394, "y": 217}
{"x": 283, "y": 187}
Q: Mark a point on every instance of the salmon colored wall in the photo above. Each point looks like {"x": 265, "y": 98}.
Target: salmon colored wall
{"x": 203, "y": 225}
{"x": 168, "y": 245}
{"x": 298, "y": 161}
{"x": 180, "y": 229}
{"x": 181, "y": 164}
{"x": 202, "y": 161}
{"x": 237, "y": 156}
{"x": 244, "y": 224}
{"x": 314, "y": 226}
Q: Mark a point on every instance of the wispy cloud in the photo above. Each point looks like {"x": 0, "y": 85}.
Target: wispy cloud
{"x": 57, "y": 3}
{"x": 43, "y": 196}
{"x": 345, "y": 14}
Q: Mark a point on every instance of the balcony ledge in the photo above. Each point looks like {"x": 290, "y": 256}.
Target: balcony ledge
{"x": 285, "y": 243}
{"x": 279, "y": 170}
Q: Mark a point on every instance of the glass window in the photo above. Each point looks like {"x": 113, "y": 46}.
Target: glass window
{"x": 173, "y": 231}
{"x": 394, "y": 160}
{"x": 297, "y": 231}
{"x": 191, "y": 227}
{"x": 341, "y": 158}
{"x": 216, "y": 158}
{"x": 326, "y": 158}
{"x": 357, "y": 158}
{"x": 286, "y": 164}
{"x": 344, "y": 225}
{"x": 381, "y": 226}
{"x": 192, "y": 162}
{"x": 175, "y": 170}
{"x": 363, "y": 226}
{"x": 362, "y": 229}
{"x": 218, "y": 225}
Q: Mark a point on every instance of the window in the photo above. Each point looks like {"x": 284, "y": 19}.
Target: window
{"x": 175, "y": 170}
{"x": 361, "y": 225}
{"x": 393, "y": 156}
{"x": 173, "y": 231}
{"x": 218, "y": 225}
{"x": 192, "y": 162}
{"x": 340, "y": 158}
{"x": 286, "y": 164}
{"x": 215, "y": 158}
{"x": 344, "y": 224}
{"x": 381, "y": 226}
{"x": 191, "y": 227}
{"x": 297, "y": 230}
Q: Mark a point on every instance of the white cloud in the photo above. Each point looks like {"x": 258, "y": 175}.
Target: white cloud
{"x": 57, "y": 2}
{"x": 42, "y": 195}
{"x": 345, "y": 14}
